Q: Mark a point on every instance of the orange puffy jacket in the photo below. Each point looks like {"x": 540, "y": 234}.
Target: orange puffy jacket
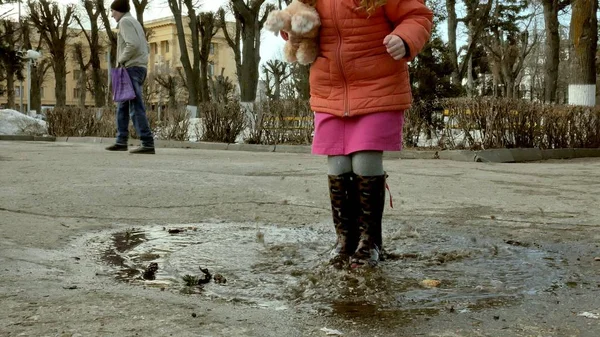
{"x": 353, "y": 73}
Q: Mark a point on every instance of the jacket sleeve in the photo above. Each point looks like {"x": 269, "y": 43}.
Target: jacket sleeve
{"x": 130, "y": 39}
{"x": 412, "y": 21}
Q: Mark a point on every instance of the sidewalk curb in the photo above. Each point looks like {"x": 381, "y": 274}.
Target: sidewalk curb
{"x": 521, "y": 155}
{"x": 28, "y": 138}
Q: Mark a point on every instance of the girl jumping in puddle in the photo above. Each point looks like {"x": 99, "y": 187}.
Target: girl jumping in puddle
{"x": 359, "y": 86}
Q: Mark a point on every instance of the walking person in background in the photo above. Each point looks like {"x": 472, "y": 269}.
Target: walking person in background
{"x": 360, "y": 88}
{"x": 132, "y": 53}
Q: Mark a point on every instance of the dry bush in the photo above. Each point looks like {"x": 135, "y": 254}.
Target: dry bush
{"x": 423, "y": 119}
{"x": 81, "y": 122}
{"x": 509, "y": 123}
{"x": 283, "y": 122}
{"x": 173, "y": 125}
{"x": 221, "y": 122}
{"x": 102, "y": 122}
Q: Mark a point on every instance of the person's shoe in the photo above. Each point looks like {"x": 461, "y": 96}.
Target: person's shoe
{"x": 371, "y": 197}
{"x": 342, "y": 192}
{"x": 117, "y": 147}
{"x": 143, "y": 150}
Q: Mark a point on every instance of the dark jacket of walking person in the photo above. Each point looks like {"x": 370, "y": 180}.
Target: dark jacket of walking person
{"x": 132, "y": 53}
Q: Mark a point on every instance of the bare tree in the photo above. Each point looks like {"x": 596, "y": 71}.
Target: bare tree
{"x": 209, "y": 26}
{"x": 509, "y": 46}
{"x": 39, "y": 70}
{"x": 509, "y": 54}
{"x": 584, "y": 44}
{"x": 475, "y": 20}
{"x": 300, "y": 80}
{"x": 81, "y": 77}
{"x": 112, "y": 36}
{"x": 250, "y": 18}
{"x": 53, "y": 26}
{"x": 276, "y": 72}
{"x": 140, "y": 7}
{"x": 10, "y": 63}
{"x": 93, "y": 38}
{"x": 191, "y": 66}
{"x": 221, "y": 87}
{"x": 170, "y": 81}
{"x": 551, "y": 10}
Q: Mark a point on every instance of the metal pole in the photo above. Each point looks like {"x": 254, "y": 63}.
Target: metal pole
{"x": 159, "y": 93}
{"x": 108, "y": 91}
{"x": 29, "y": 87}
{"x": 20, "y": 46}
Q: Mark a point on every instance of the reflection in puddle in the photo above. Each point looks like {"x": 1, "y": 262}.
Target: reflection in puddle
{"x": 288, "y": 268}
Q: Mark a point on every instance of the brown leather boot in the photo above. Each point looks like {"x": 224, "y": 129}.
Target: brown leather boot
{"x": 371, "y": 199}
{"x": 342, "y": 191}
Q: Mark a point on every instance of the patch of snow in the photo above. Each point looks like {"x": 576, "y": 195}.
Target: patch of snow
{"x": 13, "y": 122}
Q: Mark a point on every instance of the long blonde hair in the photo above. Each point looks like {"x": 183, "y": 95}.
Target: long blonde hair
{"x": 371, "y": 5}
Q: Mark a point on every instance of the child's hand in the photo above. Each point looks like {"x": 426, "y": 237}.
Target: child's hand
{"x": 395, "y": 46}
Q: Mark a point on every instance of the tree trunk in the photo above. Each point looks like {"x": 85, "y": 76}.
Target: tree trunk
{"x": 208, "y": 26}
{"x": 301, "y": 80}
{"x": 190, "y": 68}
{"x": 37, "y": 72}
{"x": 10, "y": 91}
{"x": 98, "y": 80}
{"x": 60, "y": 75}
{"x": 583, "y": 43}
{"x": 552, "y": 49}
{"x": 251, "y": 59}
{"x": 470, "y": 81}
{"x": 172, "y": 102}
{"x": 112, "y": 36}
{"x": 452, "y": 47}
{"x": 54, "y": 29}
{"x": 249, "y": 23}
{"x": 37, "y": 79}
{"x": 140, "y": 7}
{"x": 81, "y": 83}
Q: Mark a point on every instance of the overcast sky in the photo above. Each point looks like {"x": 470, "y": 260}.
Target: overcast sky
{"x": 271, "y": 45}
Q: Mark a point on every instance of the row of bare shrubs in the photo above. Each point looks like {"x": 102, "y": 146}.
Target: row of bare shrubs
{"x": 478, "y": 123}
{"x": 283, "y": 122}
{"x": 101, "y": 122}
{"x": 484, "y": 123}
{"x": 269, "y": 122}
{"x": 81, "y": 122}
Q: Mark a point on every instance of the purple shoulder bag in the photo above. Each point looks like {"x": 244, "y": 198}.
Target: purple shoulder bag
{"x": 121, "y": 85}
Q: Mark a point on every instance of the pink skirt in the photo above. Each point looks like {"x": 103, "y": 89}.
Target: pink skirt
{"x": 335, "y": 136}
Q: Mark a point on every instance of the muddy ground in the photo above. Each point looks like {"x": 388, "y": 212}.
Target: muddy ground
{"x": 513, "y": 245}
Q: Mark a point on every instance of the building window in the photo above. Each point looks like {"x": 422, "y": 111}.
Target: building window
{"x": 167, "y": 64}
{"x": 17, "y": 92}
{"x": 211, "y": 69}
{"x": 76, "y": 74}
{"x": 212, "y": 48}
{"x": 154, "y": 48}
{"x": 164, "y": 47}
{"x": 41, "y": 92}
{"x": 76, "y": 92}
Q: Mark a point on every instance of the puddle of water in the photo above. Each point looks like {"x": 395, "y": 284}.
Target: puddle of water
{"x": 287, "y": 267}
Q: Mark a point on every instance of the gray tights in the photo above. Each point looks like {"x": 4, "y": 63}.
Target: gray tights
{"x": 364, "y": 163}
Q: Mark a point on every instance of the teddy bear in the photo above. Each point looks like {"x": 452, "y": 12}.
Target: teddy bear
{"x": 299, "y": 18}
